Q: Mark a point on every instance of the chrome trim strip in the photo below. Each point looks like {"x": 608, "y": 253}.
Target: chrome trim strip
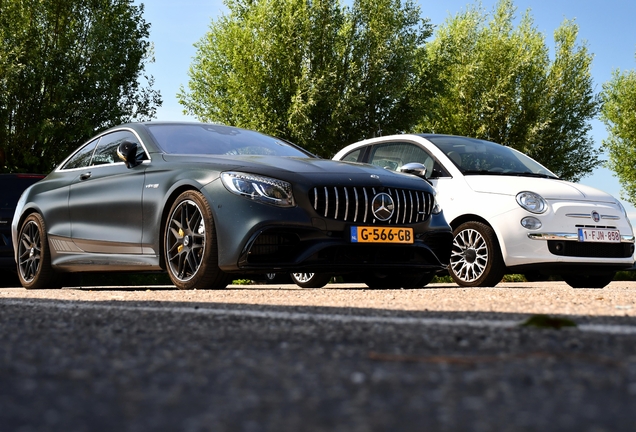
{"x": 579, "y": 215}
{"x": 589, "y": 216}
{"x": 355, "y": 216}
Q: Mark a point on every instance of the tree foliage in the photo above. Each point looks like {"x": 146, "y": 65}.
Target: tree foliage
{"x": 498, "y": 83}
{"x": 311, "y": 71}
{"x": 68, "y": 68}
{"x": 618, "y": 112}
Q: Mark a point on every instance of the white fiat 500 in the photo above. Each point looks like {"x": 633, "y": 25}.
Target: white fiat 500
{"x": 509, "y": 213}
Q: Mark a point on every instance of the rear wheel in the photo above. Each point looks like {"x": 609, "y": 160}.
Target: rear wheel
{"x": 34, "y": 257}
{"x": 311, "y": 280}
{"x": 190, "y": 247}
{"x": 426, "y": 279}
{"x": 476, "y": 259}
{"x": 589, "y": 281}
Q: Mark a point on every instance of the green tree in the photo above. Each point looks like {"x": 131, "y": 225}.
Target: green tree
{"x": 618, "y": 112}
{"x": 68, "y": 68}
{"x": 498, "y": 83}
{"x": 314, "y": 72}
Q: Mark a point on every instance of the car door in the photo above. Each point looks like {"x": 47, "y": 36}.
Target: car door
{"x": 105, "y": 200}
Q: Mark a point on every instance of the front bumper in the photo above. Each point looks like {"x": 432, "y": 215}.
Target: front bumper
{"x": 301, "y": 250}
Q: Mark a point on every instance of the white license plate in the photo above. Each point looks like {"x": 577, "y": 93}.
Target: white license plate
{"x": 599, "y": 235}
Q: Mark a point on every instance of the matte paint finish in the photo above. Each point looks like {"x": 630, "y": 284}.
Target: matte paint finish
{"x": 110, "y": 217}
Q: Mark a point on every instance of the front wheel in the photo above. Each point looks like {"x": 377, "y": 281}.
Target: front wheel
{"x": 310, "y": 280}
{"x": 34, "y": 257}
{"x": 589, "y": 281}
{"x": 476, "y": 259}
{"x": 190, "y": 245}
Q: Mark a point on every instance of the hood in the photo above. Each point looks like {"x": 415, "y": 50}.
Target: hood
{"x": 549, "y": 189}
{"x": 312, "y": 169}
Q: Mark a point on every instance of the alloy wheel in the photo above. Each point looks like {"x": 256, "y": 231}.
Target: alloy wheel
{"x": 29, "y": 251}
{"x": 185, "y": 240}
{"x": 469, "y": 257}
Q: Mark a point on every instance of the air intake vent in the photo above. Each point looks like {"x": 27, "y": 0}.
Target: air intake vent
{"x": 355, "y": 204}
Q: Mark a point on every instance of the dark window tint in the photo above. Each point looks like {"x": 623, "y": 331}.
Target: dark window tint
{"x": 219, "y": 140}
{"x": 83, "y": 156}
{"x": 473, "y": 156}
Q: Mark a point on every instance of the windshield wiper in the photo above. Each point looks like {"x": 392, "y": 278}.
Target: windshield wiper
{"x": 514, "y": 174}
{"x": 483, "y": 172}
{"x": 539, "y": 175}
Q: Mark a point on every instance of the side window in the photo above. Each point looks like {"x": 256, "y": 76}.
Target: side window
{"x": 82, "y": 158}
{"x": 354, "y": 156}
{"x": 106, "y": 152}
{"x": 395, "y": 154}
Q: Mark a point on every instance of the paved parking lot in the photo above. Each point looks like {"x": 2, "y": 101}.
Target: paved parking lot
{"x": 343, "y": 358}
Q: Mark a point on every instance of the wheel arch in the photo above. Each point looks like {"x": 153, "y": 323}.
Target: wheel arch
{"x": 25, "y": 214}
{"x": 476, "y": 218}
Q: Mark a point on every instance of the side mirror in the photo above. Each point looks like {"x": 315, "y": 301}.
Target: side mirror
{"x": 127, "y": 151}
{"x": 414, "y": 168}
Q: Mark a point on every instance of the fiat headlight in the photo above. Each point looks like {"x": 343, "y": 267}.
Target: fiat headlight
{"x": 259, "y": 188}
{"x": 532, "y": 202}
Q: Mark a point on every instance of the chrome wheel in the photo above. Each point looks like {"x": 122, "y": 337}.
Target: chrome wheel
{"x": 311, "y": 280}
{"x": 185, "y": 240}
{"x": 469, "y": 256}
{"x": 302, "y": 277}
{"x": 475, "y": 258}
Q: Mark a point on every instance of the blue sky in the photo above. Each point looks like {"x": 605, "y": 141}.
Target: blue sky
{"x": 607, "y": 27}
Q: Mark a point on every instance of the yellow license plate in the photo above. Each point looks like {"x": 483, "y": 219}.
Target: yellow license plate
{"x": 381, "y": 235}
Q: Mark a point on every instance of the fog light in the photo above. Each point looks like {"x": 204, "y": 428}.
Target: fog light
{"x": 531, "y": 223}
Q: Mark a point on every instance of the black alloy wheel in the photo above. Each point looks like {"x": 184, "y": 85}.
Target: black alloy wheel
{"x": 191, "y": 252}
{"x": 34, "y": 258}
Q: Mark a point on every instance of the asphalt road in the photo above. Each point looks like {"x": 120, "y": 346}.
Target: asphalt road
{"x": 340, "y": 358}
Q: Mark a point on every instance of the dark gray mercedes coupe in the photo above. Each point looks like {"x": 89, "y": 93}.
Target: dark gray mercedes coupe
{"x": 207, "y": 203}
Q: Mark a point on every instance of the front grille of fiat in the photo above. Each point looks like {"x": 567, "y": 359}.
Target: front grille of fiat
{"x": 353, "y": 204}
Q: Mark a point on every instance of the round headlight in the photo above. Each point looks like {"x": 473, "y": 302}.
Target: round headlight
{"x": 532, "y": 202}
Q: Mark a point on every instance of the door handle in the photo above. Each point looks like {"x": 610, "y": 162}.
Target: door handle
{"x": 85, "y": 176}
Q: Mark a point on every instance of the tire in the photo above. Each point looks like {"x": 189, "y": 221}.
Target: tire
{"x": 589, "y": 281}
{"x": 393, "y": 280}
{"x": 426, "y": 279}
{"x": 190, "y": 245}
{"x": 476, "y": 258}
{"x": 536, "y": 277}
{"x": 34, "y": 257}
{"x": 310, "y": 280}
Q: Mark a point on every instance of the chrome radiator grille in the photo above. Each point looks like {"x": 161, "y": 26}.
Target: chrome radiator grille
{"x": 354, "y": 204}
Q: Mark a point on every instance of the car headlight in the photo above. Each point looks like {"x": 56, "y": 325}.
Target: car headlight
{"x": 532, "y": 202}
{"x": 259, "y": 188}
{"x": 437, "y": 209}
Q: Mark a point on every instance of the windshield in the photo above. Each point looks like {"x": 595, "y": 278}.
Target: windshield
{"x": 207, "y": 139}
{"x": 478, "y": 157}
